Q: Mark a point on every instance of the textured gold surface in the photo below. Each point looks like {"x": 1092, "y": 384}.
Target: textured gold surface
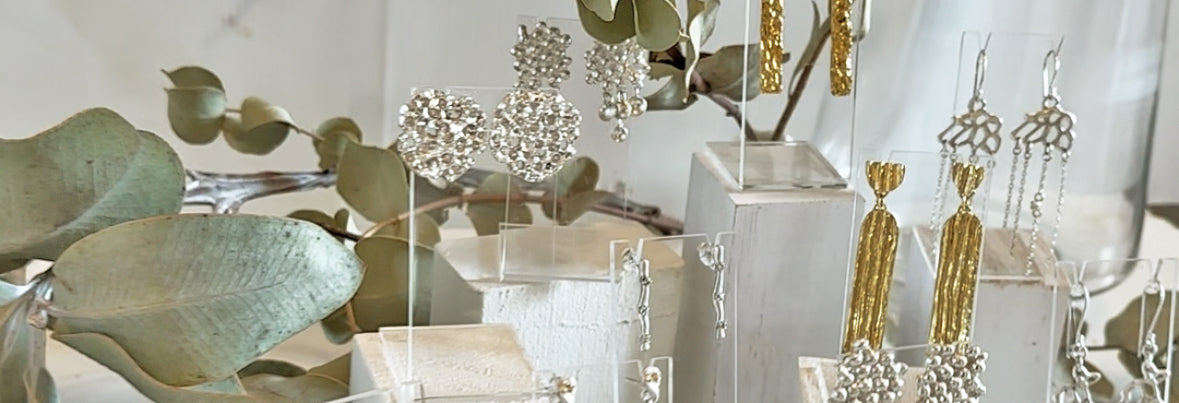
{"x": 957, "y": 266}
{"x": 841, "y": 46}
{"x": 771, "y": 46}
{"x": 876, "y": 254}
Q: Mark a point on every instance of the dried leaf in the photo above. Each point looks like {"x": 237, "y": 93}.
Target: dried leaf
{"x": 604, "y": 9}
{"x": 733, "y": 71}
{"x": 264, "y": 127}
{"x": 619, "y": 29}
{"x": 195, "y": 113}
{"x": 372, "y": 181}
{"x": 202, "y": 282}
{"x": 194, "y": 76}
{"x": 103, "y": 172}
{"x": 487, "y": 216}
{"x": 657, "y": 24}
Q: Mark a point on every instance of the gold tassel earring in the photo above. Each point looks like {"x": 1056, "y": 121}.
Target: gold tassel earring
{"x": 862, "y": 362}
{"x": 953, "y": 365}
{"x": 771, "y": 46}
{"x": 841, "y": 46}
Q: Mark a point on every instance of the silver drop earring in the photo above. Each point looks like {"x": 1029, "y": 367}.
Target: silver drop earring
{"x": 977, "y": 130}
{"x": 713, "y": 257}
{"x": 1077, "y": 352}
{"x": 1051, "y": 129}
{"x": 619, "y": 69}
{"x": 642, "y": 267}
{"x": 533, "y": 129}
{"x": 441, "y": 134}
{"x": 1151, "y": 385}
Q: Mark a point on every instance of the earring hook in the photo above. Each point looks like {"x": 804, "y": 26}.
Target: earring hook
{"x": 1051, "y": 68}
{"x": 980, "y": 74}
{"x": 1078, "y": 317}
{"x": 1154, "y": 286}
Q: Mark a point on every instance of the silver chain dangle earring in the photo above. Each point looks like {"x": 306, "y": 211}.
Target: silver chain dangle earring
{"x": 1150, "y": 387}
{"x": 1051, "y": 130}
{"x": 977, "y": 130}
{"x": 533, "y": 129}
{"x": 1077, "y": 352}
{"x": 619, "y": 69}
{"x": 712, "y": 255}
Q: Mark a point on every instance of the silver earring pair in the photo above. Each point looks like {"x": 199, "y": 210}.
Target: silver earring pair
{"x": 532, "y": 129}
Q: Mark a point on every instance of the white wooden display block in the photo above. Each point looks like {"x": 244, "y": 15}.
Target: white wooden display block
{"x": 817, "y": 377}
{"x": 790, "y": 259}
{"x": 469, "y": 360}
{"x": 1018, "y": 319}
{"x": 560, "y": 323}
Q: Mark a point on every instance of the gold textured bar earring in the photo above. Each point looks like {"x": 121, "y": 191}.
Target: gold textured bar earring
{"x": 841, "y": 46}
{"x": 953, "y": 365}
{"x": 867, "y": 374}
{"x": 771, "y": 46}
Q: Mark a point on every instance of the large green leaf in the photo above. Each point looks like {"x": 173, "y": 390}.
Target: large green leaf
{"x": 90, "y": 172}
{"x": 263, "y": 127}
{"x": 486, "y": 216}
{"x": 383, "y": 297}
{"x": 657, "y": 24}
{"x": 616, "y": 30}
{"x": 16, "y": 338}
{"x": 194, "y": 298}
{"x": 372, "y": 181}
{"x": 733, "y": 71}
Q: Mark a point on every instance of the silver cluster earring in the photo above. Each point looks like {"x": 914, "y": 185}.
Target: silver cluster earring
{"x": 534, "y": 129}
{"x": 1077, "y": 352}
{"x": 1051, "y": 130}
{"x": 866, "y": 375}
{"x": 441, "y": 134}
{"x": 952, "y": 374}
{"x": 713, "y": 257}
{"x": 620, "y": 70}
{"x": 977, "y": 130}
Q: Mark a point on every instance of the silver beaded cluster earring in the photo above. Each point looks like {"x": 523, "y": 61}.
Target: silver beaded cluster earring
{"x": 533, "y": 128}
{"x": 620, "y": 70}
{"x": 952, "y": 374}
{"x": 441, "y": 134}
{"x": 867, "y": 375}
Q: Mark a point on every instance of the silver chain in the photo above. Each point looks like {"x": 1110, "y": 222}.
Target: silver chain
{"x": 1023, "y": 180}
{"x": 1011, "y": 184}
{"x": 1060, "y": 199}
{"x": 1037, "y": 210}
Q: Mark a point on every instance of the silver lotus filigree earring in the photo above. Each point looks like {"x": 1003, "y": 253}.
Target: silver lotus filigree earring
{"x": 619, "y": 69}
{"x": 533, "y": 130}
{"x": 441, "y": 134}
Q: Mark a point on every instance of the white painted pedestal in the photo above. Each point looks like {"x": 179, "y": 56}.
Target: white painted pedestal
{"x": 561, "y": 323}
{"x": 789, "y": 259}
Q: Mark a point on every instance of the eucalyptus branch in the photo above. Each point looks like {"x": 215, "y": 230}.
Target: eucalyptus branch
{"x": 814, "y": 49}
{"x": 731, "y": 109}
{"x": 226, "y": 193}
{"x": 306, "y": 132}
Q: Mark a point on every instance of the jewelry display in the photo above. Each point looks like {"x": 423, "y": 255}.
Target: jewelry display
{"x": 1051, "y": 129}
{"x": 441, "y": 134}
{"x": 976, "y": 130}
{"x": 1077, "y": 352}
{"x": 770, "y": 45}
{"x": 540, "y": 56}
{"x": 533, "y": 132}
{"x": 953, "y": 364}
{"x": 620, "y": 69}
{"x": 1150, "y": 385}
{"x": 842, "y": 41}
{"x": 713, "y": 257}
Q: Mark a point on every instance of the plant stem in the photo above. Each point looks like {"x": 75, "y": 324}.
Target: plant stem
{"x": 731, "y": 109}
{"x": 306, "y": 132}
{"x": 797, "y": 89}
{"x": 226, "y": 193}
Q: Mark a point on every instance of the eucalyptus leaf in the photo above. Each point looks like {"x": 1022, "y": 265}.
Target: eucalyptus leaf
{"x": 701, "y": 19}
{"x": 300, "y": 389}
{"x": 231, "y": 385}
{"x": 657, "y": 24}
{"x": 320, "y": 218}
{"x": 340, "y": 124}
{"x": 661, "y": 70}
{"x": 726, "y": 71}
{"x": 427, "y": 192}
{"x": 576, "y": 176}
{"x": 273, "y": 367}
{"x": 195, "y": 113}
{"x": 264, "y": 127}
{"x": 604, "y": 9}
{"x": 616, "y": 30}
{"x": 226, "y": 287}
{"x": 671, "y": 97}
{"x": 428, "y": 230}
{"x": 704, "y": 12}
{"x": 383, "y": 297}
{"x": 111, "y": 355}
{"x": 332, "y": 146}
{"x": 372, "y": 181}
{"x": 486, "y": 217}
{"x": 338, "y": 369}
{"x": 90, "y": 172}
{"x": 194, "y": 76}
{"x": 572, "y": 207}
{"x": 337, "y": 327}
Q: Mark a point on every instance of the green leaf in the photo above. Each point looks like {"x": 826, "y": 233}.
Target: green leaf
{"x": 111, "y": 355}
{"x": 16, "y": 338}
{"x": 90, "y": 172}
{"x": 282, "y": 383}
{"x": 698, "y": 29}
{"x": 372, "y": 181}
{"x": 704, "y": 14}
{"x": 427, "y": 192}
{"x": 576, "y": 176}
{"x": 383, "y": 297}
{"x": 671, "y": 97}
{"x": 604, "y": 9}
{"x": 487, "y": 216}
{"x": 726, "y": 71}
{"x": 428, "y": 231}
{"x": 263, "y": 127}
{"x": 322, "y": 219}
{"x": 657, "y": 24}
{"x": 339, "y": 124}
{"x": 621, "y": 28}
{"x": 195, "y": 113}
{"x": 230, "y": 385}
{"x": 194, "y": 76}
{"x": 661, "y": 70}
{"x": 273, "y": 367}
{"x": 225, "y": 287}
{"x": 572, "y": 207}
{"x": 332, "y": 146}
